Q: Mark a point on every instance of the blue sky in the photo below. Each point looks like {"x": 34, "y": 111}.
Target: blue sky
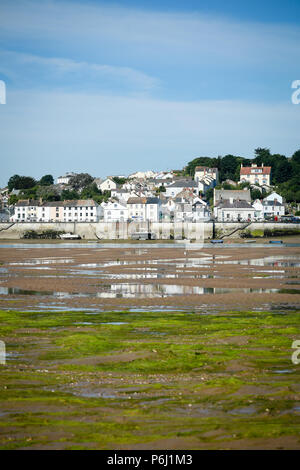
{"x": 112, "y": 87}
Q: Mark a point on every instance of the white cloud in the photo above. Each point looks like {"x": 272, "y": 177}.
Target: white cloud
{"x": 152, "y": 36}
{"x": 29, "y": 67}
{"x": 52, "y": 132}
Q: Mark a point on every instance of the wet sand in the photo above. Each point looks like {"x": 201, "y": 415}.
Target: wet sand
{"x": 115, "y": 277}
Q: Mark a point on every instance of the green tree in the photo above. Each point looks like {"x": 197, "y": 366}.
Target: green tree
{"x": 21, "y": 182}
{"x": 201, "y": 161}
{"x": 80, "y": 181}
{"x": 255, "y": 194}
{"x": 229, "y": 165}
{"x": 13, "y": 199}
{"x": 119, "y": 180}
{"x": 296, "y": 157}
{"x": 68, "y": 194}
{"x": 90, "y": 191}
{"x": 46, "y": 180}
{"x": 47, "y": 193}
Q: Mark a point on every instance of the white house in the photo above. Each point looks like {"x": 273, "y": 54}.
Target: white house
{"x": 234, "y": 211}
{"x": 234, "y": 194}
{"x": 81, "y": 210}
{"x": 259, "y": 209}
{"x": 66, "y": 178}
{"x": 115, "y": 211}
{"x": 269, "y": 207}
{"x": 183, "y": 212}
{"x": 168, "y": 209}
{"x": 173, "y": 189}
{"x": 201, "y": 172}
{"x": 107, "y": 185}
{"x": 260, "y": 175}
{"x": 201, "y": 212}
{"x": 121, "y": 194}
{"x": 144, "y": 208}
{"x": 143, "y": 174}
{"x": 274, "y": 197}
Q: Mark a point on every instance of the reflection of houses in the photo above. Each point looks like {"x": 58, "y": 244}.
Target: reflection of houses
{"x": 259, "y": 175}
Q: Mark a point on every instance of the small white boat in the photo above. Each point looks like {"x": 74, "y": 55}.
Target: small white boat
{"x": 70, "y": 236}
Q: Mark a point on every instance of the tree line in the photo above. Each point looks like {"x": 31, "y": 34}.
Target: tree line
{"x": 81, "y": 186}
{"x": 285, "y": 175}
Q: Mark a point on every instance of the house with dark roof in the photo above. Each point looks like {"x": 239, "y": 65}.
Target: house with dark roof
{"x": 231, "y": 210}
{"x": 268, "y": 208}
{"x": 173, "y": 189}
{"x": 144, "y": 208}
{"x": 234, "y": 194}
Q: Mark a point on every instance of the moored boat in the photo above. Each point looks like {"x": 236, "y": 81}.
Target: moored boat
{"x": 70, "y": 236}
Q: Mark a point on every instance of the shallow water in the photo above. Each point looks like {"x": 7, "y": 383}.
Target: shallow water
{"x": 116, "y": 244}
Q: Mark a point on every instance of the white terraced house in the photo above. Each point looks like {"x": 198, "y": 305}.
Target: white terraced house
{"x": 57, "y": 211}
{"x": 83, "y": 210}
{"x": 144, "y": 208}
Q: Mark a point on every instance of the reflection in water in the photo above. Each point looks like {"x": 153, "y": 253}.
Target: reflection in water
{"x": 127, "y": 290}
{"x": 35, "y": 261}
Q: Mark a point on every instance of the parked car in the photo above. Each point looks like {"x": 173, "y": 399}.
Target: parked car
{"x": 290, "y": 219}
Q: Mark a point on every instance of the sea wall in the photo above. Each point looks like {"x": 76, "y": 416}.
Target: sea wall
{"x": 164, "y": 230}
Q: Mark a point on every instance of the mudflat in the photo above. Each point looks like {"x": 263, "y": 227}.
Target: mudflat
{"x": 137, "y": 347}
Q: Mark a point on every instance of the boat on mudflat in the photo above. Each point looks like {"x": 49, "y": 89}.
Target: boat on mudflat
{"x": 70, "y": 236}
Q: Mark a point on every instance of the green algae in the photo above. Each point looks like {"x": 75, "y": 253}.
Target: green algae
{"x": 160, "y": 375}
